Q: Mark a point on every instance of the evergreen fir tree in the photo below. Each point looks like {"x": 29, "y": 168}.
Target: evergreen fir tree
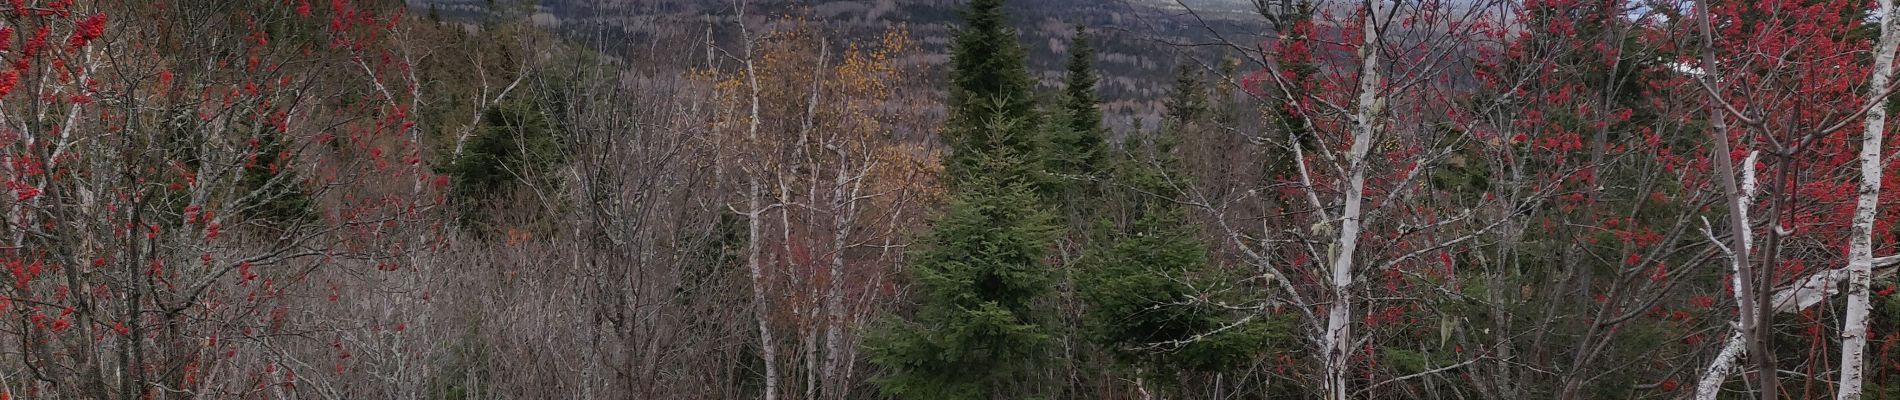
{"x": 516, "y": 145}
{"x": 981, "y": 331}
{"x": 274, "y": 193}
{"x": 982, "y": 327}
{"x": 1155, "y": 301}
{"x": 1157, "y": 306}
{"x": 1188, "y": 103}
{"x": 1185, "y": 115}
{"x": 1293, "y": 17}
{"x": 1079, "y": 147}
{"x": 988, "y": 80}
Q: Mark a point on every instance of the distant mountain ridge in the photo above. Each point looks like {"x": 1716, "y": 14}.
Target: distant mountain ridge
{"x": 1134, "y": 60}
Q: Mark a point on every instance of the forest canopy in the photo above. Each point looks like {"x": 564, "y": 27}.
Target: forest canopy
{"x": 948, "y": 199}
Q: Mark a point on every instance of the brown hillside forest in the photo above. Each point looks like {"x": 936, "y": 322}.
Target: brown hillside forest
{"x": 949, "y": 199}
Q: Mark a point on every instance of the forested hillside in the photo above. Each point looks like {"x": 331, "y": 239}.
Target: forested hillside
{"x": 948, "y": 199}
{"x": 1136, "y": 43}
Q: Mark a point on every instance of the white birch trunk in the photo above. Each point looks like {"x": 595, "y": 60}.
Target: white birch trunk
{"x": 768, "y": 345}
{"x": 1738, "y": 196}
{"x": 843, "y": 215}
{"x": 1860, "y": 257}
{"x": 1809, "y": 292}
{"x": 835, "y": 312}
{"x": 1338, "y": 335}
{"x": 1718, "y": 372}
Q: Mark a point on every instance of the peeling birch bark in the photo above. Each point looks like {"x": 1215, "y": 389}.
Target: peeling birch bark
{"x": 1860, "y": 257}
{"x": 1338, "y": 335}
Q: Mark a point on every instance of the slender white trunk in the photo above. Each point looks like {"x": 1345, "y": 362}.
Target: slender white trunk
{"x": 1860, "y": 257}
{"x": 835, "y": 315}
{"x": 843, "y": 211}
{"x": 1718, "y": 372}
{"x": 1737, "y": 198}
{"x": 768, "y": 345}
{"x": 1805, "y": 294}
{"x": 1338, "y": 336}
{"x": 1141, "y": 386}
{"x": 811, "y": 359}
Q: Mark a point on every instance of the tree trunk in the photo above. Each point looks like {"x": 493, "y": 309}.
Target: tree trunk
{"x": 1338, "y": 336}
{"x": 1711, "y": 383}
{"x": 768, "y": 346}
{"x": 1860, "y": 257}
{"x": 843, "y": 215}
{"x": 1738, "y": 216}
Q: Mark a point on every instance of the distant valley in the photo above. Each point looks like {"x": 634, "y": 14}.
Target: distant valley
{"x": 1135, "y": 58}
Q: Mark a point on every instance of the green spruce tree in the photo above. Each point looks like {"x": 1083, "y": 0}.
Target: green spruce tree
{"x": 989, "y": 81}
{"x": 1188, "y": 103}
{"x": 1079, "y": 146}
{"x": 515, "y": 150}
{"x": 1184, "y": 136}
{"x": 981, "y": 329}
{"x": 1077, "y": 156}
{"x": 272, "y": 192}
{"x": 1156, "y": 303}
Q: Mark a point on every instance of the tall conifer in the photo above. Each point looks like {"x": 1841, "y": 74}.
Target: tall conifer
{"x": 988, "y": 82}
{"x": 1079, "y": 145}
{"x": 981, "y": 327}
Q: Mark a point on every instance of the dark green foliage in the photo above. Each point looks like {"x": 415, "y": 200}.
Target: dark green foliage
{"x": 1464, "y": 172}
{"x": 1155, "y": 304}
{"x": 514, "y": 141}
{"x": 981, "y": 329}
{"x": 272, "y": 192}
{"x": 1078, "y": 147}
{"x": 460, "y": 370}
{"x": 1144, "y": 176}
{"x": 1884, "y": 385}
{"x": 980, "y": 279}
{"x": 988, "y": 82}
{"x": 514, "y": 145}
{"x": 1284, "y": 14}
{"x": 1194, "y": 135}
{"x": 1155, "y": 300}
{"x": 1293, "y": 133}
{"x": 1188, "y": 103}
{"x": 712, "y": 258}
